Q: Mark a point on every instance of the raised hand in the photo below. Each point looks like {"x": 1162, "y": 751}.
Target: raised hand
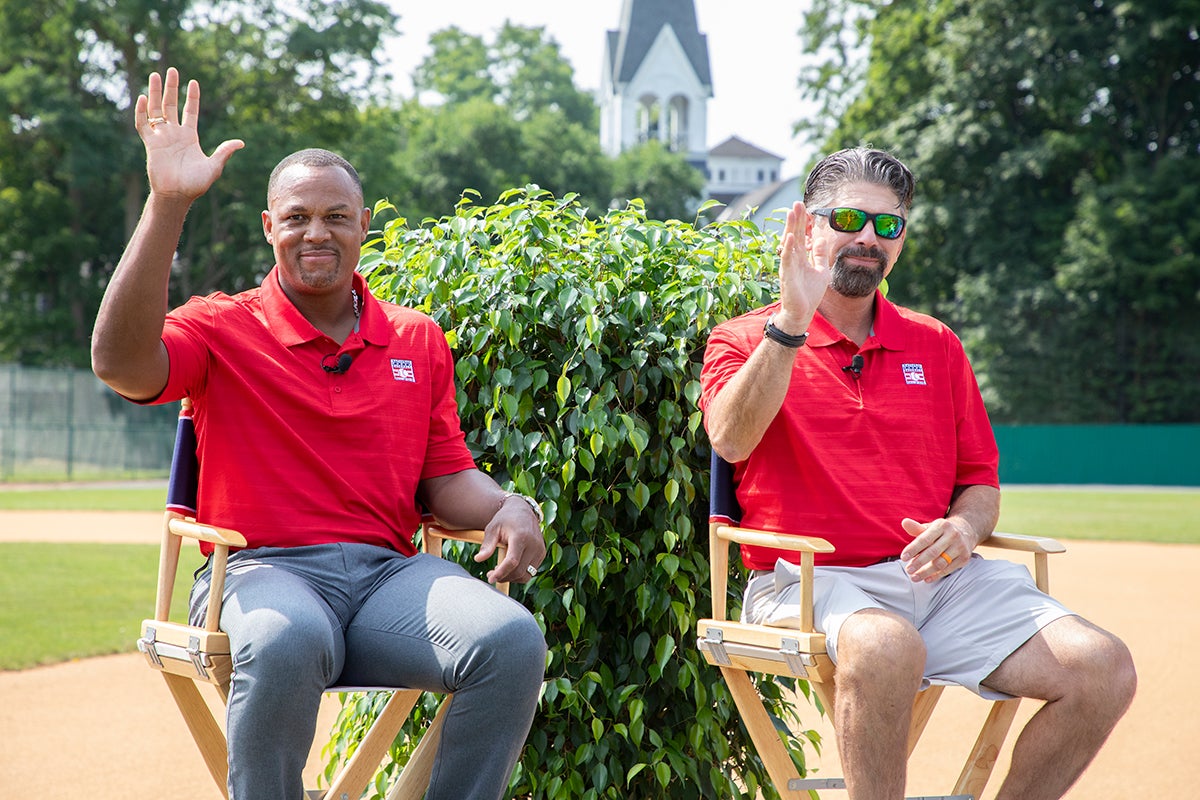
{"x": 175, "y": 163}
{"x": 802, "y": 282}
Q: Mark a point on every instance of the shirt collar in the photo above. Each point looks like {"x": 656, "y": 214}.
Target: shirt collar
{"x": 291, "y": 327}
{"x": 887, "y": 330}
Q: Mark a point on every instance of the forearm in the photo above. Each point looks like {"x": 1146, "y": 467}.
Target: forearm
{"x": 462, "y": 500}
{"x": 977, "y": 508}
{"x": 739, "y": 415}
{"x": 127, "y": 351}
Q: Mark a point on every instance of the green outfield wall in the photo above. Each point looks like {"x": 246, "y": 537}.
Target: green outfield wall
{"x": 1138, "y": 455}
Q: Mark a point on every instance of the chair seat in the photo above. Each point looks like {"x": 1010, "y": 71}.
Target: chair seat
{"x": 186, "y": 650}
{"x": 761, "y": 648}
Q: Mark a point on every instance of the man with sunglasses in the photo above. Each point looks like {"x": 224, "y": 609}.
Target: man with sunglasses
{"x": 861, "y": 422}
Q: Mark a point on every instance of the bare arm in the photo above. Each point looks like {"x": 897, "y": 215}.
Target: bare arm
{"x": 739, "y": 415}
{"x": 127, "y": 349}
{"x": 973, "y": 514}
{"x": 471, "y": 499}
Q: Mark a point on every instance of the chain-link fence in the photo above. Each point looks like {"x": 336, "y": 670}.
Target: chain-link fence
{"x": 64, "y": 424}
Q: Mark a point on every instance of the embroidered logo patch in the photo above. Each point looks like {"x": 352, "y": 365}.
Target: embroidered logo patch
{"x": 914, "y": 374}
{"x": 402, "y": 370}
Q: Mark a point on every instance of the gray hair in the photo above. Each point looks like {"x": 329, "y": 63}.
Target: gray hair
{"x": 312, "y": 157}
{"x": 855, "y": 165}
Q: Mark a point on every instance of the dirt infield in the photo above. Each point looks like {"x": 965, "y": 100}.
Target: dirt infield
{"x": 106, "y": 728}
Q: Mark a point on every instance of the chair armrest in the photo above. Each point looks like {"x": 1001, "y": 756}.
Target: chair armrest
{"x": 1027, "y": 544}
{"x": 807, "y": 546}
{"x": 1040, "y": 546}
{"x": 434, "y": 534}
{"x": 779, "y": 541}
{"x": 474, "y": 536}
{"x": 191, "y": 529}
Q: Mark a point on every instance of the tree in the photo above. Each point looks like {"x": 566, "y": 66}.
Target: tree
{"x": 510, "y": 116}
{"x": 1013, "y": 114}
{"x": 666, "y": 184}
{"x": 578, "y": 345}
{"x": 521, "y": 70}
{"x": 72, "y": 174}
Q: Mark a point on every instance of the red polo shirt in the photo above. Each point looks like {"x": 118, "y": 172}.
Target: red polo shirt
{"x": 293, "y": 455}
{"x": 846, "y": 459}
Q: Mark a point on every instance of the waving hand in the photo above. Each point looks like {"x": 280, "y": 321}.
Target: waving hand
{"x": 175, "y": 163}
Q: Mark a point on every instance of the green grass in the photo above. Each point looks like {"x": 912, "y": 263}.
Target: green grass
{"x": 1165, "y": 516}
{"x": 149, "y": 498}
{"x": 64, "y": 601}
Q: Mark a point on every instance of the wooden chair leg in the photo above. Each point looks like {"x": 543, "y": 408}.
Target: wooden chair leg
{"x": 983, "y": 756}
{"x": 414, "y": 781}
{"x": 210, "y": 739}
{"x": 350, "y": 782}
{"x": 922, "y": 710}
{"x": 770, "y": 746}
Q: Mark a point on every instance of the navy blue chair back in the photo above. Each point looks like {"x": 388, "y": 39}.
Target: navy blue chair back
{"x": 185, "y": 469}
{"x": 723, "y": 507}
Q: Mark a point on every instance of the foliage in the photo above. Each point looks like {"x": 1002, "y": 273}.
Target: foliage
{"x": 72, "y": 172}
{"x": 1028, "y": 125}
{"x": 521, "y": 70}
{"x": 666, "y": 184}
{"x": 510, "y": 115}
{"x": 578, "y": 345}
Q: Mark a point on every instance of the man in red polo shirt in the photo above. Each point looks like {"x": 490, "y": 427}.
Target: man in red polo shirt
{"x": 852, "y": 419}
{"x": 323, "y": 417}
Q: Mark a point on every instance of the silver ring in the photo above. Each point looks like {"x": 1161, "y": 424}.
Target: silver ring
{"x": 532, "y": 570}
{"x": 152, "y": 121}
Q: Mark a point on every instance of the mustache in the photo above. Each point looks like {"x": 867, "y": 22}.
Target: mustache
{"x": 861, "y": 251}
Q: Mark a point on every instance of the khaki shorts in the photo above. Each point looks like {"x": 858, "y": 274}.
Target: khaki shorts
{"x": 970, "y": 620}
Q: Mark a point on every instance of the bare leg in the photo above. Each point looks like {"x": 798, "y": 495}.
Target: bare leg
{"x": 1087, "y": 678}
{"x": 880, "y": 662}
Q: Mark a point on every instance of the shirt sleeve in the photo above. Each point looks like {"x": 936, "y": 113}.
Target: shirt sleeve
{"x": 726, "y": 352}
{"x": 978, "y": 455}
{"x": 447, "y": 451}
{"x": 184, "y": 336}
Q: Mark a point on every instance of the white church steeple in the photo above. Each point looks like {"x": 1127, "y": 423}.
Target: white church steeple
{"x": 655, "y": 82}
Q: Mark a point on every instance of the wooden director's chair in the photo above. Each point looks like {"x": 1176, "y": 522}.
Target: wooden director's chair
{"x": 187, "y": 656}
{"x": 738, "y": 649}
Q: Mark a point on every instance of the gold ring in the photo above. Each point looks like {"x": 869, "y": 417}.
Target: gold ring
{"x": 156, "y": 121}
{"x": 949, "y": 560}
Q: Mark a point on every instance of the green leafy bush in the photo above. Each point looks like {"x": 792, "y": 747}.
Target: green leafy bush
{"x": 578, "y": 344}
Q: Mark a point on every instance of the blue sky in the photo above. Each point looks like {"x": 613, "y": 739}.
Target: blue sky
{"x": 753, "y": 48}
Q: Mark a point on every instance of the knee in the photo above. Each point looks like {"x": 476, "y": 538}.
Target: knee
{"x": 1104, "y": 677}
{"x": 525, "y": 646}
{"x": 268, "y": 644}
{"x": 1112, "y": 672}
{"x": 876, "y": 646}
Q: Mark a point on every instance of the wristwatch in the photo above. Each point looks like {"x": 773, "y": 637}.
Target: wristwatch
{"x": 532, "y": 504}
{"x": 779, "y": 337}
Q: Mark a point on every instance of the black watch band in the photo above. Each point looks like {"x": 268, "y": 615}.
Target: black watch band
{"x": 779, "y": 337}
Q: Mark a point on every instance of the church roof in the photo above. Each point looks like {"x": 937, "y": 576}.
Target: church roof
{"x": 733, "y": 147}
{"x": 641, "y": 20}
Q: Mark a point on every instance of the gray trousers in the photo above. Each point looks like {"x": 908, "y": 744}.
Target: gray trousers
{"x": 300, "y": 619}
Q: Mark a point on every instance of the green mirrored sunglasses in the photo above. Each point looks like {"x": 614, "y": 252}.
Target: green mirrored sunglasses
{"x": 853, "y": 220}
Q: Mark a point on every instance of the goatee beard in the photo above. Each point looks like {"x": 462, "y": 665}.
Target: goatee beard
{"x": 856, "y": 280}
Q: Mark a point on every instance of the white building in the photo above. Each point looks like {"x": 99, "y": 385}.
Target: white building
{"x": 656, "y": 83}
